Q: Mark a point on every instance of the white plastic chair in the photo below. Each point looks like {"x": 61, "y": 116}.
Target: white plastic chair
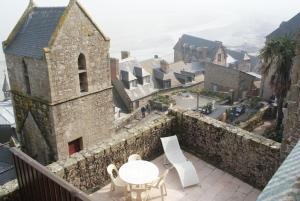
{"x": 116, "y": 181}
{"x": 185, "y": 169}
{"x": 160, "y": 184}
{"x": 134, "y": 157}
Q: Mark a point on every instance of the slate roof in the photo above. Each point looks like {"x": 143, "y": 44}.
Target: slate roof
{"x": 7, "y": 171}
{"x": 212, "y": 46}
{"x": 130, "y": 68}
{"x": 140, "y": 91}
{"x": 239, "y": 56}
{"x": 36, "y": 32}
{"x": 289, "y": 29}
{"x": 283, "y": 182}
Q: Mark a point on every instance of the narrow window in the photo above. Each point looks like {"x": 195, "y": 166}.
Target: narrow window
{"x": 82, "y": 73}
{"x": 75, "y": 146}
{"x": 26, "y": 77}
{"x": 219, "y": 57}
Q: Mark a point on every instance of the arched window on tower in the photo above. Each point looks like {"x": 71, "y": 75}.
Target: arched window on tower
{"x": 26, "y": 77}
{"x": 82, "y": 73}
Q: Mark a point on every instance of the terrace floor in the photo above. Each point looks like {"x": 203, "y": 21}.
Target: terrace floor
{"x": 215, "y": 185}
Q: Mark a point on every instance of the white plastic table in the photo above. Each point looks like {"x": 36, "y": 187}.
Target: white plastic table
{"x": 138, "y": 172}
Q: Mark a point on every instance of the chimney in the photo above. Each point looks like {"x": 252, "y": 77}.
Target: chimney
{"x": 164, "y": 66}
{"x": 125, "y": 54}
{"x": 114, "y": 68}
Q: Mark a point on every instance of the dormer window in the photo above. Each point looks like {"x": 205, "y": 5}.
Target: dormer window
{"x": 133, "y": 84}
{"x": 82, "y": 73}
{"x": 146, "y": 80}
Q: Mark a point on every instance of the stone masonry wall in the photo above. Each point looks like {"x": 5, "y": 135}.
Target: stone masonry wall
{"x": 87, "y": 169}
{"x": 39, "y": 114}
{"x": 37, "y": 74}
{"x": 253, "y": 159}
{"x": 77, "y": 35}
{"x": 87, "y": 117}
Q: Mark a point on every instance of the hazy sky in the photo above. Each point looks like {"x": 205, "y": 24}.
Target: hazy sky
{"x": 148, "y": 27}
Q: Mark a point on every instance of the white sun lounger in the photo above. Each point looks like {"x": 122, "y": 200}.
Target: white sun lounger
{"x": 186, "y": 170}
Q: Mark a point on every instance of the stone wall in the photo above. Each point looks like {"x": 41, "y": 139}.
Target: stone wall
{"x": 226, "y": 79}
{"x": 37, "y": 74}
{"x": 32, "y": 120}
{"x": 76, "y": 35}
{"x": 253, "y": 159}
{"x": 86, "y": 170}
{"x": 256, "y": 120}
{"x": 87, "y": 117}
{"x": 9, "y": 191}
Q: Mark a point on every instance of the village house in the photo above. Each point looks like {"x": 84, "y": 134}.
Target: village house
{"x": 133, "y": 85}
{"x": 58, "y": 67}
{"x": 222, "y": 79}
{"x": 190, "y": 49}
{"x": 166, "y": 76}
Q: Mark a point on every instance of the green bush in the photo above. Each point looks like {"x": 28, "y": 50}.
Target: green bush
{"x": 165, "y": 99}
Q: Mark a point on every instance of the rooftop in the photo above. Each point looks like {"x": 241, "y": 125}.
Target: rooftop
{"x": 215, "y": 184}
{"x": 35, "y": 32}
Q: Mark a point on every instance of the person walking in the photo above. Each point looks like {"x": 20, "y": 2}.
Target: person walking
{"x": 143, "y": 110}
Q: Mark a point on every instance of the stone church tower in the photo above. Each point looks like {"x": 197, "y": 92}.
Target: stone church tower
{"x": 58, "y": 66}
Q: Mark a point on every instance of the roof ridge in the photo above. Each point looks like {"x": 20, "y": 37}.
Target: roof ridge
{"x": 49, "y": 7}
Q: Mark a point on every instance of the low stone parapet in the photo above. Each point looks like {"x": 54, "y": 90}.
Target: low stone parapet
{"x": 252, "y": 158}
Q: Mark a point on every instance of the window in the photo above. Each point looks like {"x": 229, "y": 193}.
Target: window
{"x": 215, "y": 88}
{"x": 26, "y": 77}
{"x": 147, "y": 80}
{"x": 75, "y": 146}
{"x": 219, "y": 57}
{"x": 133, "y": 84}
{"x": 82, "y": 73}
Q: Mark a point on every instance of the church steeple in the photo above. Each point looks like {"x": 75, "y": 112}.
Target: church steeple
{"x": 6, "y": 88}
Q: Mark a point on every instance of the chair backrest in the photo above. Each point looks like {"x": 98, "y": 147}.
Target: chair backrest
{"x": 172, "y": 149}
{"x": 170, "y": 144}
{"x": 134, "y": 157}
{"x": 110, "y": 170}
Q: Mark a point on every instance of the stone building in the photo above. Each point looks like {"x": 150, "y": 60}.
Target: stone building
{"x": 222, "y": 79}
{"x": 291, "y": 134}
{"x": 191, "y": 48}
{"x": 242, "y": 61}
{"x": 165, "y": 75}
{"x": 194, "y": 49}
{"x": 132, "y": 83}
{"x": 58, "y": 66}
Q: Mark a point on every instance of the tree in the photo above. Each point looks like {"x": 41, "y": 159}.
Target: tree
{"x": 278, "y": 55}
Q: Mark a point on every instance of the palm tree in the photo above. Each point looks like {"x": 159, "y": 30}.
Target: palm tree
{"x": 278, "y": 55}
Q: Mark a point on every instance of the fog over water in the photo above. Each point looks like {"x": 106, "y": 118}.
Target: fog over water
{"x": 148, "y": 27}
